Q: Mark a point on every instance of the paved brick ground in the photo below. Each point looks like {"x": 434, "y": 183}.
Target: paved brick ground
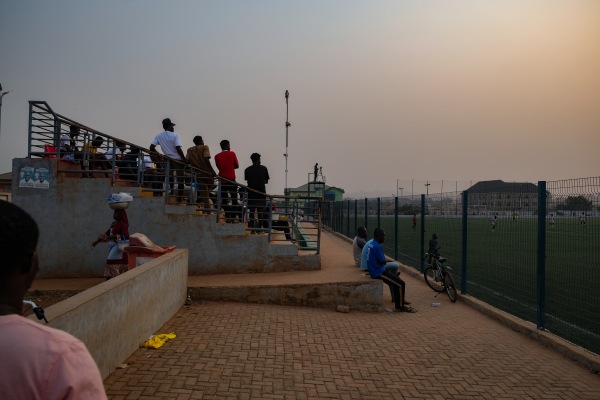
{"x": 248, "y": 351}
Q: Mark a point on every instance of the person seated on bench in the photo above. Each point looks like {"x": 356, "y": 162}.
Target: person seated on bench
{"x": 136, "y": 163}
{"x": 358, "y": 243}
{"x": 376, "y": 263}
{"x": 68, "y": 144}
{"x": 97, "y": 160}
{"x": 281, "y": 222}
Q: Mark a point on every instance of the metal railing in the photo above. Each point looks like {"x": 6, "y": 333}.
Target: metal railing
{"x": 538, "y": 260}
{"x": 86, "y": 153}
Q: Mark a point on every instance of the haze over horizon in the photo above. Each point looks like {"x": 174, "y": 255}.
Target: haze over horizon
{"x": 380, "y": 91}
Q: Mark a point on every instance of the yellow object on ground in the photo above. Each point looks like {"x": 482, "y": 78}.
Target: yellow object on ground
{"x": 157, "y": 341}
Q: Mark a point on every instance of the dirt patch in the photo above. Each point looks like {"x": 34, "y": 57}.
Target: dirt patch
{"x": 45, "y": 298}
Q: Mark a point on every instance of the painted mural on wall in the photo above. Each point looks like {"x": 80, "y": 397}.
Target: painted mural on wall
{"x": 34, "y": 177}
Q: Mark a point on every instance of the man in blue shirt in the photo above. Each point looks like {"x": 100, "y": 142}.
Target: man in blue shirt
{"x": 376, "y": 263}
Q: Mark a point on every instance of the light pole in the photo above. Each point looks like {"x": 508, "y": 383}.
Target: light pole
{"x": 1, "y": 96}
{"x": 427, "y": 197}
{"x": 401, "y": 188}
{"x": 287, "y": 125}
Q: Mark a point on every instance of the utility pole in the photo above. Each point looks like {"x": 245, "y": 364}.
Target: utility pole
{"x": 2, "y": 94}
{"x": 287, "y": 125}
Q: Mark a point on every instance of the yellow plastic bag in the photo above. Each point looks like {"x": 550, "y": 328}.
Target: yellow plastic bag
{"x": 157, "y": 341}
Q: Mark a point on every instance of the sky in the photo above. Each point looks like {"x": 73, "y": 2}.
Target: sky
{"x": 383, "y": 94}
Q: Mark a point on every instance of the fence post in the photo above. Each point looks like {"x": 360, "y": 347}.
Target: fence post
{"x": 421, "y": 255}
{"x": 348, "y": 227}
{"x": 379, "y": 212}
{"x": 396, "y": 228}
{"x": 341, "y": 217}
{"x": 366, "y": 214}
{"x": 355, "y": 215}
{"x": 541, "y": 257}
{"x": 463, "y": 263}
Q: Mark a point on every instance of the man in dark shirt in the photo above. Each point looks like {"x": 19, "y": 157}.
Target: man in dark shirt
{"x": 433, "y": 247}
{"x": 257, "y": 176}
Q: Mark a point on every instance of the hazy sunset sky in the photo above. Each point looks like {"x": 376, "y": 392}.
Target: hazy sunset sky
{"x": 379, "y": 90}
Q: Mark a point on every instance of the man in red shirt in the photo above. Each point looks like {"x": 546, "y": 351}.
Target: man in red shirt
{"x": 227, "y": 162}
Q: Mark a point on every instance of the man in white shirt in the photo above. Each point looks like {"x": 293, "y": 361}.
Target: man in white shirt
{"x": 170, "y": 145}
{"x": 358, "y": 243}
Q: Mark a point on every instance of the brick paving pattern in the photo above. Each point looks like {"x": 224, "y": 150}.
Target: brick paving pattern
{"x": 250, "y": 351}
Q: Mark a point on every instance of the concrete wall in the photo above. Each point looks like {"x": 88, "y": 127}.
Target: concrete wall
{"x": 115, "y": 317}
{"x": 72, "y": 212}
{"x": 359, "y": 296}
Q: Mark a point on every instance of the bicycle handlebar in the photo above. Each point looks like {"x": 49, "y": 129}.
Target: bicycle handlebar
{"x": 38, "y": 310}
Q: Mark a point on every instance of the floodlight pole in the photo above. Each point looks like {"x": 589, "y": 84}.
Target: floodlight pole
{"x": 287, "y": 125}
{"x": 427, "y": 198}
{"x": 401, "y": 188}
{"x": 1, "y": 96}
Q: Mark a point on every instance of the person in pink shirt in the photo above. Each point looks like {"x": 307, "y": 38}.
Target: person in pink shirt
{"x": 227, "y": 162}
{"x": 36, "y": 361}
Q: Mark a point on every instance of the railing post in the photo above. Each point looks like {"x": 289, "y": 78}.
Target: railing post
{"x": 319, "y": 225}
{"x": 421, "y": 255}
{"x": 396, "y": 228}
{"x": 219, "y": 199}
{"x": 541, "y": 257}
{"x": 270, "y": 224}
{"x": 463, "y": 264}
{"x": 30, "y": 134}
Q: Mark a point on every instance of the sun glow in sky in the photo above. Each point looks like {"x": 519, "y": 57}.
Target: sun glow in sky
{"x": 379, "y": 90}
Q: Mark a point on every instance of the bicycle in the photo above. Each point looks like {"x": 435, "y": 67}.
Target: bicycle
{"x": 438, "y": 277}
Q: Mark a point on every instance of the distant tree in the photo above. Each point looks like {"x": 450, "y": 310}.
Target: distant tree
{"x": 579, "y": 203}
{"x": 408, "y": 209}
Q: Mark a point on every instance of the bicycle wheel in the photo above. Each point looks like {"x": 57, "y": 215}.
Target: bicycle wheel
{"x": 431, "y": 280}
{"x": 450, "y": 287}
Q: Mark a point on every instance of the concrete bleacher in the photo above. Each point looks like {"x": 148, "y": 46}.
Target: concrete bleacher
{"x": 72, "y": 212}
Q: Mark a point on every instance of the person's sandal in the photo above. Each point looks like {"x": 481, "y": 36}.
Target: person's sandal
{"x": 408, "y": 309}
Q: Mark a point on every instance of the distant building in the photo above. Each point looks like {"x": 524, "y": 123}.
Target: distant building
{"x": 500, "y": 196}
{"x": 329, "y": 193}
